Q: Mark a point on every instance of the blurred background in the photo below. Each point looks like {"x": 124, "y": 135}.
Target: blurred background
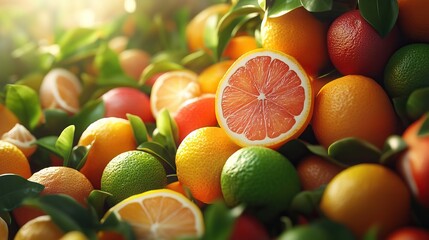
{"x": 31, "y": 30}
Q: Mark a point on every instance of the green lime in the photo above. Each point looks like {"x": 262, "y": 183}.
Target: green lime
{"x": 259, "y": 177}
{"x": 407, "y": 70}
{"x": 130, "y": 173}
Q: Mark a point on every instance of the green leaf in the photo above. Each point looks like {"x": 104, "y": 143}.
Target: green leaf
{"x": 15, "y": 189}
{"x": 219, "y": 220}
{"x": 417, "y": 103}
{"x": 351, "y": 151}
{"x": 197, "y": 61}
{"x": 107, "y": 62}
{"x": 279, "y": 8}
{"x": 24, "y": 102}
{"x": 77, "y": 40}
{"x": 307, "y": 202}
{"x": 78, "y": 157}
{"x": 112, "y": 223}
{"x": 400, "y": 105}
{"x": 111, "y": 73}
{"x": 91, "y": 112}
{"x": 168, "y": 128}
{"x": 161, "y": 153}
{"x": 97, "y": 200}
{"x": 424, "y": 129}
{"x": 139, "y": 129}
{"x": 392, "y": 149}
{"x": 65, "y": 211}
{"x": 209, "y": 35}
{"x": 230, "y": 24}
{"x": 158, "y": 67}
{"x": 48, "y": 143}
{"x": 64, "y": 143}
{"x": 380, "y": 14}
{"x": 317, "y": 5}
{"x": 55, "y": 122}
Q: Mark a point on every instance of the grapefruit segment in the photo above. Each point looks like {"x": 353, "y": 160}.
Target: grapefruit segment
{"x": 265, "y": 98}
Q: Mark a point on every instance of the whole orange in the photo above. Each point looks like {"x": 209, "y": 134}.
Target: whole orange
{"x": 315, "y": 171}
{"x": 210, "y": 77}
{"x": 195, "y": 28}
{"x": 56, "y": 180}
{"x": 12, "y": 160}
{"x": 239, "y": 45}
{"x": 199, "y": 161}
{"x": 108, "y": 138}
{"x": 353, "y": 106}
{"x": 412, "y": 19}
{"x": 365, "y": 196}
{"x": 186, "y": 120}
{"x": 133, "y": 62}
{"x": 299, "y": 34}
{"x": 7, "y": 119}
{"x": 356, "y": 48}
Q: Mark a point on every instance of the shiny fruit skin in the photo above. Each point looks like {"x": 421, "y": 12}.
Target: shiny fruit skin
{"x": 356, "y": 48}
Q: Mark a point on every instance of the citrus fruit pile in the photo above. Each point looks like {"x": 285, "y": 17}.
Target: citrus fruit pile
{"x": 242, "y": 119}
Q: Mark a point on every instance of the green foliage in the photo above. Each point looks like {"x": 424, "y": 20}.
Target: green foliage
{"x": 381, "y": 14}
{"x": 24, "y": 103}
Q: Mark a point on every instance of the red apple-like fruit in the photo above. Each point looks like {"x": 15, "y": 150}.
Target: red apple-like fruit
{"x": 414, "y": 164}
{"x": 250, "y": 228}
{"x": 120, "y": 101}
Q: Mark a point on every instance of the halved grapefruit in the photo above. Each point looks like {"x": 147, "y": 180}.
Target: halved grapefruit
{"x": 265, "y": 99}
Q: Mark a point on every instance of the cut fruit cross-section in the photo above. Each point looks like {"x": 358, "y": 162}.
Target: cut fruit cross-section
{"x": 172, "y": 89}
{"x": 160, "y": 214}
{"x": 22, "y": 138}
{"x": 265, "y": 98}
{"x": 60, "y": 89}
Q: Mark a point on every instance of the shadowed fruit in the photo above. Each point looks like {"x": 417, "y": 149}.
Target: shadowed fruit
{"x": 356, "y": 48}
{"x": 365, "y": 196}
{"x": 412, "y": 19}
{"x": 299, "y": 34}
{"x": 353, "y": 106}
{"x": 315, "y": 171}
{"x": 199, "y": 161}
{"x": 407, "y": 70}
